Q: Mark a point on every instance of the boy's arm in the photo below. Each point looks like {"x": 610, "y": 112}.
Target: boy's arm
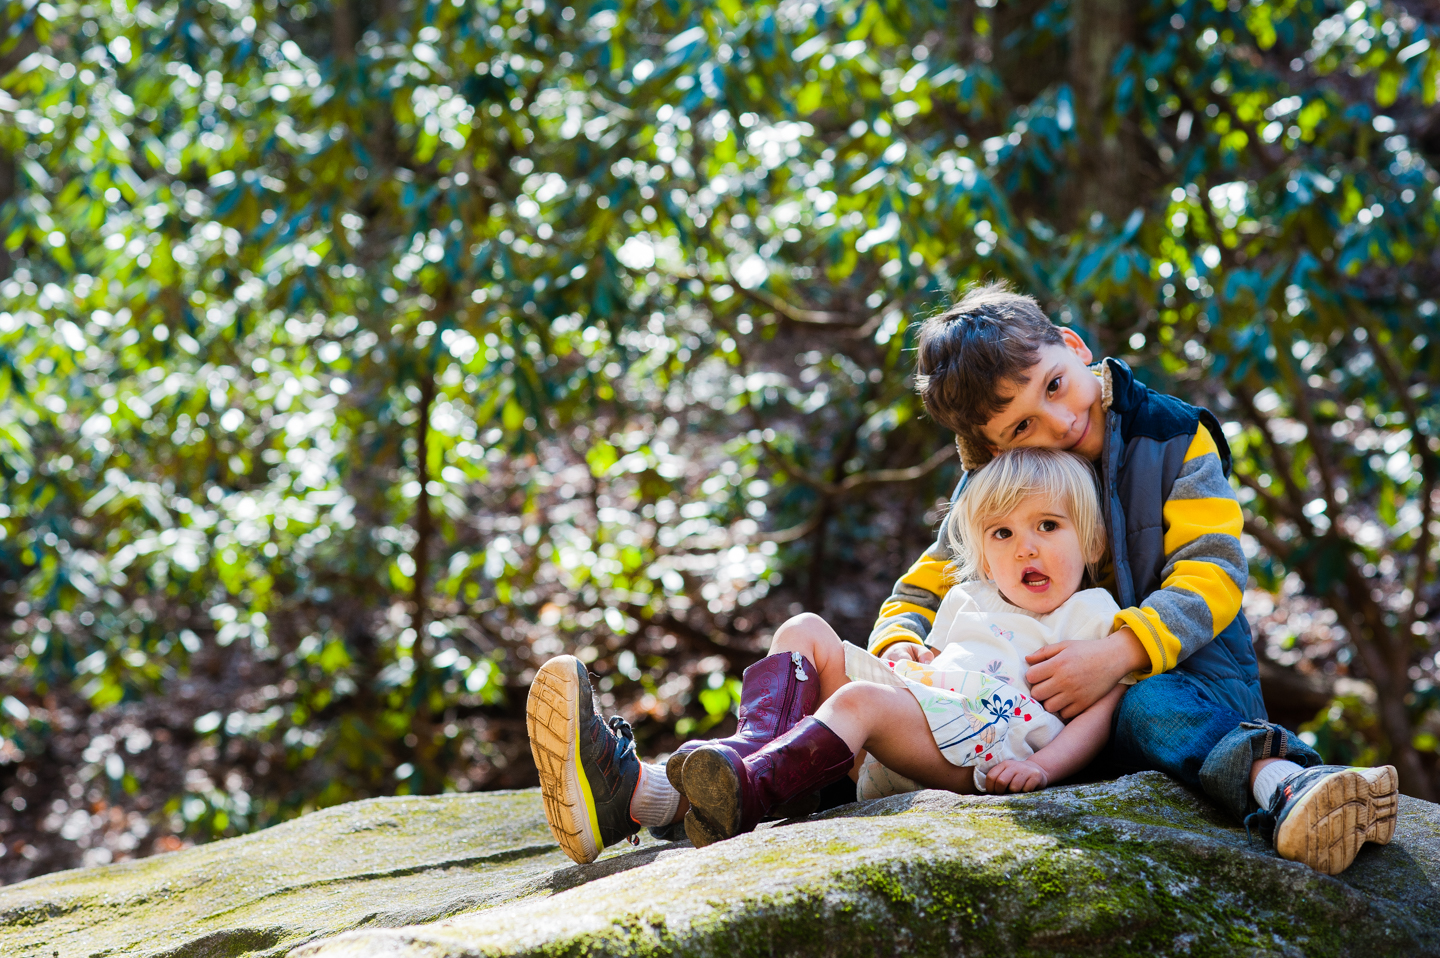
{"x": 1205, "y": 568}
{"x": 1075, "y": 747}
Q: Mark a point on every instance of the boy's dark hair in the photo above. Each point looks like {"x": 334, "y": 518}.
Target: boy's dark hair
{"x": 990, "y": 336}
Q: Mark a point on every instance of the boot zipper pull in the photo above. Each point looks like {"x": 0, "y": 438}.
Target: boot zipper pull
{"x": 798, "y": 659}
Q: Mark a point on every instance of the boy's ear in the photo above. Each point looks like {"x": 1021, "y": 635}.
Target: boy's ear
{"x": 1076, "y": 345}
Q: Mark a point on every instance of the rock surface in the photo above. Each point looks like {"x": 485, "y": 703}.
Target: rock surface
{"x": 1136, "y": 866}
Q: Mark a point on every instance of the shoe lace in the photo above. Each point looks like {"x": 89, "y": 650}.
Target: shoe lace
{"x": 1262, "y": 820}
{"x": 625, "y": 736}
{"x": 621, "y": 728}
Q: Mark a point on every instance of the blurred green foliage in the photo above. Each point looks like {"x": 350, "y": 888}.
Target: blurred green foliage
{"x": 365, "y": 353}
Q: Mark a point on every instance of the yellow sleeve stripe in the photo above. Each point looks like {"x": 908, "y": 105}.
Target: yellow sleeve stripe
{"x": 1205, "y": 580}
{"x": 931, "y": 574}
{"x": 1158, "y": 641}
{"x": 1202, "y": 443}
{"x": 899, "y": 635}
{"x": 1211, "y": 584}
{"x": 1189, "y": 519}
{"x": 894, "y": 607}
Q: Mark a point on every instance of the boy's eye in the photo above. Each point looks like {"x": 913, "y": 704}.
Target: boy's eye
{"x": 1054, "y": 385}
{"x": 1021, "y": 426}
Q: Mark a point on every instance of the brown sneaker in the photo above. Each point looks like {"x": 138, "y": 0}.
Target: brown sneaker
{"x": 588, "y": 767}
{"x": 1322, "y": 816}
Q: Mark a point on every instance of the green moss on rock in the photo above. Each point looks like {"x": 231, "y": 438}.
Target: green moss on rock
{"x": 1137, "y": 866}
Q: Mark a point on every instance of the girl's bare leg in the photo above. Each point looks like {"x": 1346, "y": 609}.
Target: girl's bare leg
{"x": 889, "y": 724}
{"x": 813, "y": 638}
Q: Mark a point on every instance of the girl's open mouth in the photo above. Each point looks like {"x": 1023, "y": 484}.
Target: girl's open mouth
{"x": 1035, "y": 581}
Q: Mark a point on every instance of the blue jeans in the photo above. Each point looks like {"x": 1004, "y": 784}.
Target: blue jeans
{"x": 1173, "y": 723}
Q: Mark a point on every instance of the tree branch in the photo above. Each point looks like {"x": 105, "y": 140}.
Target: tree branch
{"x": 879, "y": 476}
{"x": 1273, "y": 544}
{"x": 677, "y": 626}
{"x": 855, "y": 481}
{"x": 1387, "y": 665}
{"x": 1277, "y": 506}
{"x": 795, "y": 313}
{"x": 1429, "y": 465}
{"x": 1285, "y": 467}
{"x": 1323, "y": 451}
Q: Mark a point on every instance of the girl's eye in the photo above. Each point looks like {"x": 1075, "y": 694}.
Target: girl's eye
{"x": 1048, "y": 525}
{"x": 1054, "y": 385}
{"x": 1001, "y": 533}
{"x": 1023, "y": 425}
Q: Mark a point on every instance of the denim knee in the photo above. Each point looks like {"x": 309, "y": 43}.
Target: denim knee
{"x": 1167, "y": 722}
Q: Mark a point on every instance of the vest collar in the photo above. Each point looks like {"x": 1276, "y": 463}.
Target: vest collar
{"x": 1123, "y": 393}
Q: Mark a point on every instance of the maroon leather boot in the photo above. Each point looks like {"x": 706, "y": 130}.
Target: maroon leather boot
{"x": 775, "y": 693}
{"x": 730, "y": 795}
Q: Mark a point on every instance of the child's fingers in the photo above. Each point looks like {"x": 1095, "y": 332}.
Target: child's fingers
{"x": 1001, "y": 777}
{"x": 1051, "y": 693}
{"x": 1013, "y": 775}
{"x": 1046, "y": 652}
{"x": 1047, "y": 668}
{"x": 1059, "y": 704}
{"x": 924, "y": 654}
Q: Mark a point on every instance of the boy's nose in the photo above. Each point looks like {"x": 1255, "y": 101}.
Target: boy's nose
{"x": 1060, "y": 425}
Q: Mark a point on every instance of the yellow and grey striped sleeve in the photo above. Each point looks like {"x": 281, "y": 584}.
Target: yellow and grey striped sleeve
{"x": 1205, "y": 568}
{"x": 910, "y": 611}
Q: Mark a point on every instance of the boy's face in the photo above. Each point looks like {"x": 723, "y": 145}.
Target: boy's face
{"x": 1059, "y": 408}
{"x": 1034, "y": 555}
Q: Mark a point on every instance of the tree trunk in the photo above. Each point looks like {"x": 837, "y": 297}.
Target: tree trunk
{"x": 342, "y": 23}
{"x": 1385, "y": 660}
{"x": 422, "y": 728}
{"x": 1023, "y": 76}
{"x": 1108, "y": 165}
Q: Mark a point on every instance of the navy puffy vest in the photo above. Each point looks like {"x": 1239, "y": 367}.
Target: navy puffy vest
{"x": 1146, "y": 437}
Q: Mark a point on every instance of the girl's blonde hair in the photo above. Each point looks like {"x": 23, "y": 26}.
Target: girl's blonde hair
{"x": 995, "y": 489}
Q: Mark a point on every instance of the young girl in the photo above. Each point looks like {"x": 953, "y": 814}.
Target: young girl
{"x": 1024, "y": 532}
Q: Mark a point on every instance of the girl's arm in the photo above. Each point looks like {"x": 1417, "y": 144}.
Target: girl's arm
{"x": 1067, "y": 753}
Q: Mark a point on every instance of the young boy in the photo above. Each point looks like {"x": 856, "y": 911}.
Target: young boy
{"x": 996, "y": 372}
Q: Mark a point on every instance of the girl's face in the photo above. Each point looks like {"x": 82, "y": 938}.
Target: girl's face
{"x": 1034, "y": 555}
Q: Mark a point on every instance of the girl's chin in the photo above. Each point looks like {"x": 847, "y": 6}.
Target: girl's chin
{"x": 1039, "y": 601}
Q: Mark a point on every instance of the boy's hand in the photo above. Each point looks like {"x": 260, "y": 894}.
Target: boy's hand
{"x": 913, "y": 651}
{"x": 1069, "y": 677}
{"x": 1014, "y": 775}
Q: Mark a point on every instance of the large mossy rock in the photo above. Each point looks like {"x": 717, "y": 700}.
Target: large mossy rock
{"x": 1136, "y": 866}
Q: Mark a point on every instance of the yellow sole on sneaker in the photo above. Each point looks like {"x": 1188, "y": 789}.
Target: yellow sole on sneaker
{"x": 552, "y": 715}
{"x": 1337, "y": 815}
